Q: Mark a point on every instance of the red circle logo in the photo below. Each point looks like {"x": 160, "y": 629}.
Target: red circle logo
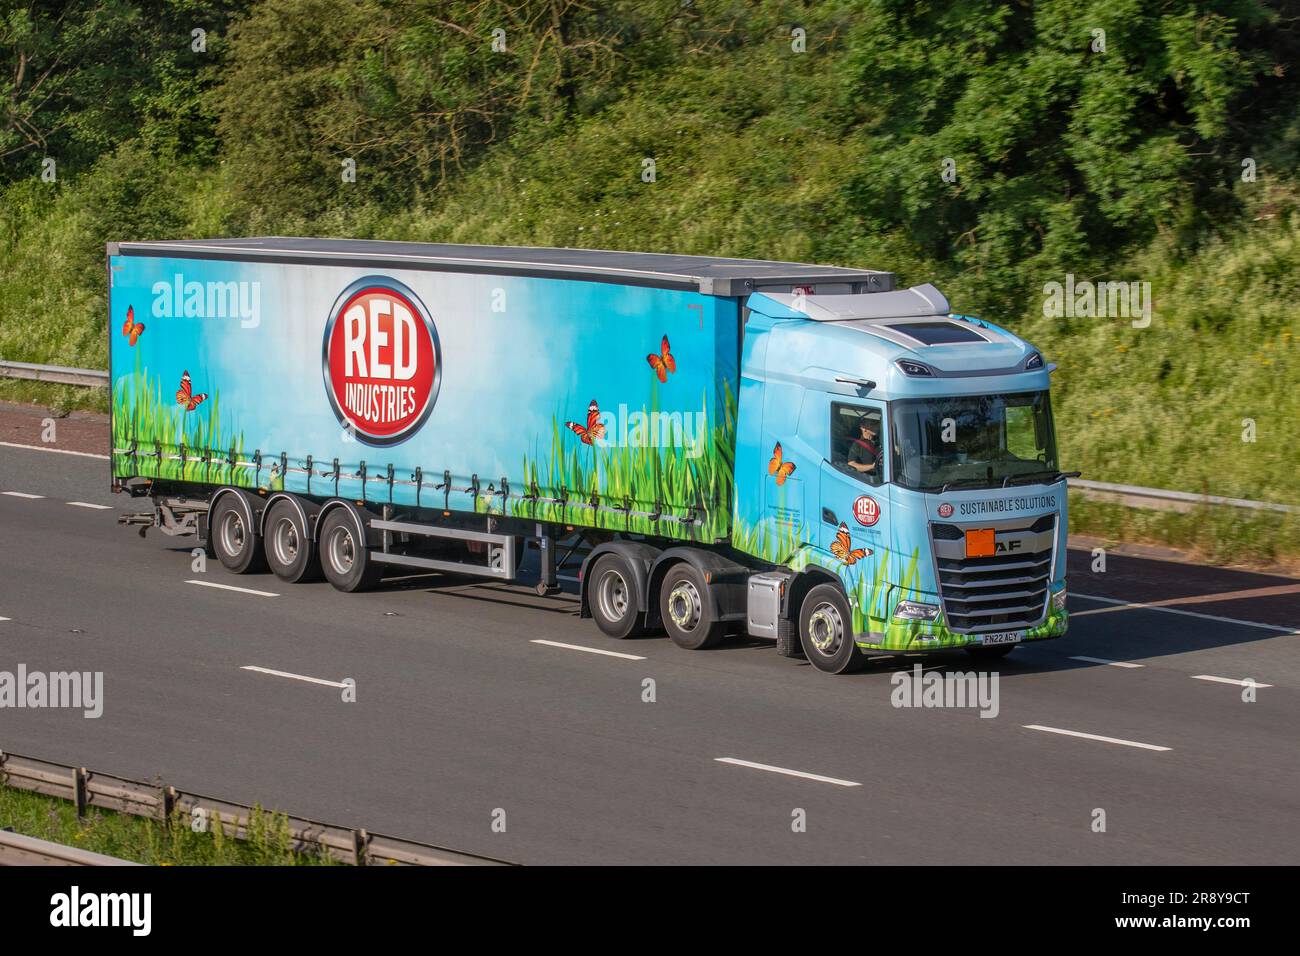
{"x": 945, "y": 510}
{"x": 866, "y": 510}
{"x": 382, "y": 361}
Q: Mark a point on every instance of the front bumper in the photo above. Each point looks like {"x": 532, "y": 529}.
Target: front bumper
{"x": 918, "y": 636}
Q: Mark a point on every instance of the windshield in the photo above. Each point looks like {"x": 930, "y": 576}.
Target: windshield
{"x": 974, "y": 441}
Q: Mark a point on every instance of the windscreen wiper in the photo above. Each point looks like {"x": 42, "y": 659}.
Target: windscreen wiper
{"x": 1048, "y": 476}
{"x": 965, "y": 482}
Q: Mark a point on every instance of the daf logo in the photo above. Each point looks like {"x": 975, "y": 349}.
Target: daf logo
{"x": 1004, "y": 547}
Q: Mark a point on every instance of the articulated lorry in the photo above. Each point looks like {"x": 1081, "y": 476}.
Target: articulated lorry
{"x": 798, "y": 452}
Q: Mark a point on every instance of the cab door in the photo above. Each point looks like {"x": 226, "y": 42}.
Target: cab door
{"x": 854, "y": 502}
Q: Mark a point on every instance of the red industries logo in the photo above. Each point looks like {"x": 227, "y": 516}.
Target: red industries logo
{"x": 382, "y": 361}
{"x": 866, "y": 510}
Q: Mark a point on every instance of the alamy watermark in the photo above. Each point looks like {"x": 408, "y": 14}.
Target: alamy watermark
{"x": 1086, "y": 299}
{"x": 77, "y": 690}
{"x": 951, "y": 689}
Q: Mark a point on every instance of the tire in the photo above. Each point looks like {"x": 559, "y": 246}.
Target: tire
{"x": 611, "y": 595}
{"x": 996, "y": 652}
{"x": 686, "y": 609}
{"x": 826, "y": 631}
{"x": 236, "y": 545}
{"x": 346, "y": 561}
{"x": 291, "y": 554}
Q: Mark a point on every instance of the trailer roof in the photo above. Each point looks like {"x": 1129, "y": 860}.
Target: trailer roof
{"x": 706, "y": 274}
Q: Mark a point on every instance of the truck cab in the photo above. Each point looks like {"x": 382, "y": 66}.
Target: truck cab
{"x": 896, "y": 465}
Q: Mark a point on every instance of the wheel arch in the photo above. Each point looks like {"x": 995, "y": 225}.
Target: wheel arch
{"x": 358, "y": 515}
{"x": 804, "y": 582}
{"x": 307, "y": 510}
{"x": 725, "y": 578}
{"x": 638, "y": 554}
{"x": 251, "y": 507}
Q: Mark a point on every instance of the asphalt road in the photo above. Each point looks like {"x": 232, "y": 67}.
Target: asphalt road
{"x": 461, "y": 714}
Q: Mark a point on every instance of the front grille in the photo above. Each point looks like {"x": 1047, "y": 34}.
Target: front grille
{"x": 999, "y": 593}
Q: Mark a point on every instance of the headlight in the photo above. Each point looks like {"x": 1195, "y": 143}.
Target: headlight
{"x": 915, "y": 611}
{"x": 1058, "y": 600}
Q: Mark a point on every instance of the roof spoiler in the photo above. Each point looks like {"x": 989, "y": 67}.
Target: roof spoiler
{"x": 918, "y": 301}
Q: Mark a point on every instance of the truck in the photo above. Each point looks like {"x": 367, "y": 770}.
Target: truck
{"x": 802, "y": 453}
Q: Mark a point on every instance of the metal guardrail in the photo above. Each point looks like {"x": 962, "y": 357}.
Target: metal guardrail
{"x": 1132, "y": 495}
{"x": 158, "y": 802}
{"x": 89, "y": 377}
{"x": 17, "y": 849}
{"x": 1171, "y": 500}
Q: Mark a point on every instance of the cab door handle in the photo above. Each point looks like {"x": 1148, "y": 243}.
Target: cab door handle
{"x": 829, "y": 517}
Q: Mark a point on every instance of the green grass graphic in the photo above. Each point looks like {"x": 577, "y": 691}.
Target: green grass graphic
{"x": 144, "y": 413}
{"x": 596, "y": 482}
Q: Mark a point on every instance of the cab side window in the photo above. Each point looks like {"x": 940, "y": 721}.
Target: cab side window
{"x": 857, "y": 445}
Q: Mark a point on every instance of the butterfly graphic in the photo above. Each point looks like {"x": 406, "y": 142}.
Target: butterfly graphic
{"x": 185, "y": 394}
{"x": 842, "y": 547}
{"x": 663, "y": 363}
{"x": 777, "y": 466}
{"x": 593, "y": 429}
{"x": 131, "y": 328}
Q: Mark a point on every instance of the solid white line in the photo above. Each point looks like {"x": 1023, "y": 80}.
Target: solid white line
{"x": 60, "y": 451}
{"x": 231, "y": 587}
{"x": 310, "y": 680}
{"x": 1108, "y": 740}
{"x": 87, "y": 504}
{"x": 1137, "y": 605}
{"x": 789, "y": 773}
{"x": 589, "y": 650}
{"x": 1248, "y": 682}
{"x": 1099, "y": 660}
{"x": 20, "y": 494}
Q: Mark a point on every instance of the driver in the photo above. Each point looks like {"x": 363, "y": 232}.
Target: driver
{"x": 863, "y": 450}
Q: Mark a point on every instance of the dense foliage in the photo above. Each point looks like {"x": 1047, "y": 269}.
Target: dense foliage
{"x": 988, "y": 146}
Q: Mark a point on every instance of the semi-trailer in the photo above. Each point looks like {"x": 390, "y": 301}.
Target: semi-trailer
{"x": 797, "y": 452}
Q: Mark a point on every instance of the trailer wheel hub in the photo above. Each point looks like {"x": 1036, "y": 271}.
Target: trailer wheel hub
{"x": 285, "y": 540}
{"x": 612, "y": 595}
{"x": 341, "y": 550}
{"x": 232, "y": 533}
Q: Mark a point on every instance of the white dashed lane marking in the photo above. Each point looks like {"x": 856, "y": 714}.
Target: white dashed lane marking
{"x": 58, "y": 451}
{"x": 589, "y": 650}
{"x": 1248, "y": 682}
{"x": 1106, "y": 740}
{"x": 1099, "y": 660}
{"x": 301, "y": 677}
{"x": 1157, "y": 606}
{"x": 21, "y": 494}
{"x": 87, "y": 504}
{"x": 231, "y": 587}
{"x": 737, "y": 762}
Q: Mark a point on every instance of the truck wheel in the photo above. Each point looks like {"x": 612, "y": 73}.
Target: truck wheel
{"x": 237, "y": 545}
{"x": 345, "y": 560}
{"x": 826, "y": 631}
{"x": 686, "y": 610}
{"x": 290, "y": 551}
{"x": 990, "y": 653}
{"x": 612, "y": 598}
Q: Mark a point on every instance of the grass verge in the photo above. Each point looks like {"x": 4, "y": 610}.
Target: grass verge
{"x": 148, "y": 841}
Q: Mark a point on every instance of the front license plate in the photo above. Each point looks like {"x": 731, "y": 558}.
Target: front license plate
{"x": 1002, "y": 637}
